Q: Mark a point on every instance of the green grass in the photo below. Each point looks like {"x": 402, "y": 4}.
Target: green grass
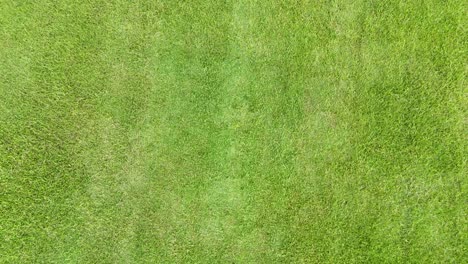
{"x": 233, "y": 131}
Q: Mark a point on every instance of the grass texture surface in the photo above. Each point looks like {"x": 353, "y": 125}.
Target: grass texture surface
{"x": 244, "y": 131}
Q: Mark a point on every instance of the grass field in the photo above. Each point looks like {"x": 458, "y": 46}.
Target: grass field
{"x": 244, "y": 131}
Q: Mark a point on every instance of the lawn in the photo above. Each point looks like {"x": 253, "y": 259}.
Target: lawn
{"x": 233, "y": 131}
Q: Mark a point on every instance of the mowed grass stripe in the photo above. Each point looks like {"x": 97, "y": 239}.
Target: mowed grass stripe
{"x": 45, "y": 104}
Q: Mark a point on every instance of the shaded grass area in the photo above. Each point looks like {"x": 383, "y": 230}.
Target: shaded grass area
{"x": 233, "y": 132}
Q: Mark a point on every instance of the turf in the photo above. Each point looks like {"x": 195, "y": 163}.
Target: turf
{"x": 233, "y": 131}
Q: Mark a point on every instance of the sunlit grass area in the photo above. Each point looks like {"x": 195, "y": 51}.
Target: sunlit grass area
{"x": 233, "y": 131}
